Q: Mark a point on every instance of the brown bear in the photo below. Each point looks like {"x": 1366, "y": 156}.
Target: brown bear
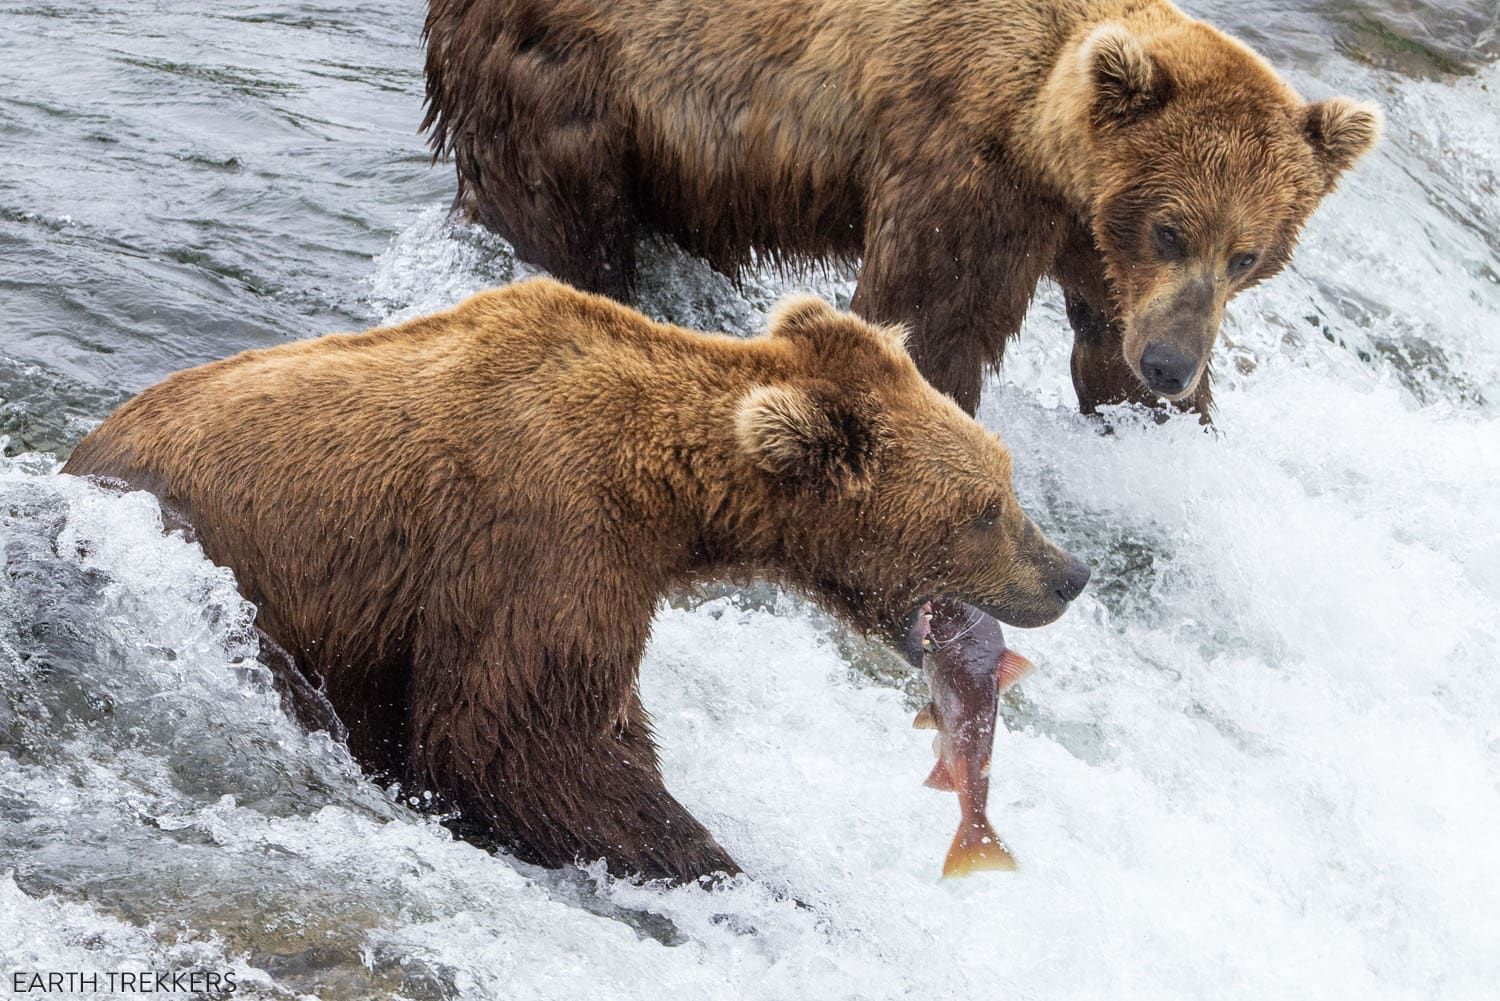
{"x": 1150, "y": 164}
{"x": 462, "y": 526}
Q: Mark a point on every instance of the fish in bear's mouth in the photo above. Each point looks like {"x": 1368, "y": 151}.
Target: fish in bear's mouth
{"x": 967, "y": 665}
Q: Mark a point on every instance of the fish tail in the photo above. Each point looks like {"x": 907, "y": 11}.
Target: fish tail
{"x": 976, "y": 847}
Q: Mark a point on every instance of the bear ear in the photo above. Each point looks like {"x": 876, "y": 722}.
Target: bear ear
{"x": 808, "y": 435}
{"x": 809, "y": 318}
{"x": 1126, "y": 83}
{"x": 1340, "y": 131}
{"x": 801, "y": 316}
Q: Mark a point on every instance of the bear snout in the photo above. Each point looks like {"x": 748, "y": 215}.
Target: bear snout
{"x": 1179, "y": 329}
{"x": 1046, "y": 602}
{"x": 1074, "y": 579}
{"x": 1167, "y": 369}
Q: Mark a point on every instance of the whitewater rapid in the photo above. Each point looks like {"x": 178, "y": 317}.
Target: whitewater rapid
{"x": 1260, "y": 758}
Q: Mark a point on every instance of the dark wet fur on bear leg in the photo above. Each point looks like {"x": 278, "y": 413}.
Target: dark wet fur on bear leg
{"x": 302, "y": 698}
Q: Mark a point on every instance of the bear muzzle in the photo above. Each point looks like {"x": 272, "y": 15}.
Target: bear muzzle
{"x": 1175, "y": 337}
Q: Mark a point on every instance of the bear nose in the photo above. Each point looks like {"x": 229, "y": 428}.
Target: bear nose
{"x": 1074, "y": 580}
{"x": 1167, "y": 369}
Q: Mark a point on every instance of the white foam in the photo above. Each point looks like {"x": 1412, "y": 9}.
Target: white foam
{"x": 1260, "y": 759}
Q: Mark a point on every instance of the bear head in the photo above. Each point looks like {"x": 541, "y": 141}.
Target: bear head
{"x": 1203, "y": 166}
{"x": 882, "y": 493}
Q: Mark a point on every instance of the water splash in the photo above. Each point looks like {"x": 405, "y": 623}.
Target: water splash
{"x": 1259, "y": 759}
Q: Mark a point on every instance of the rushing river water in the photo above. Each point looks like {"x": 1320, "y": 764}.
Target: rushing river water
{"x": 1260, "y": 759}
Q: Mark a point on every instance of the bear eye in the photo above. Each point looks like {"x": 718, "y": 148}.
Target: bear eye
{"x": 987, "y": 518}
{"x": 1171, "y": 243}
{"x": 1240, "y": 263}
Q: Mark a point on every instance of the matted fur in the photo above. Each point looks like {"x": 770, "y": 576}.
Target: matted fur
{"x": 963, "y": 150}
{"x": 463, "y": 526}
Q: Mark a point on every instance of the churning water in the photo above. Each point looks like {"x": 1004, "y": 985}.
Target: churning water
{"x": 1260, "y": 759}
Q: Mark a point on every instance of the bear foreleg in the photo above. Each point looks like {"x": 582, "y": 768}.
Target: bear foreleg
{"x": 563, "y": 209}
{"x": 957, "y": 263}
{"x": 543, "y": 157}
{"x": 556, "y": 795}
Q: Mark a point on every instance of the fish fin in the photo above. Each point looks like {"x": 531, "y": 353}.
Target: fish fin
{"x": 977, "y": 847}
{"x": 940, "y": 778}
{"x": 926, "y": 719}
{"x": 1013, "y": 667}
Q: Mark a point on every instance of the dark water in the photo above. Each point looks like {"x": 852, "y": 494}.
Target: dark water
{"x": 1260, "y": 759}
{"x": 176, "y": 187}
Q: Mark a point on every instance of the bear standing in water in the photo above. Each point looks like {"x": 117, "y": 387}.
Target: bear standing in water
{"x": 462, "y": 526}
{"x": 1150, "y": 164}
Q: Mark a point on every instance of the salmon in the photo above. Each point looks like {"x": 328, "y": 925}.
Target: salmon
{"x": 968, "y": 665}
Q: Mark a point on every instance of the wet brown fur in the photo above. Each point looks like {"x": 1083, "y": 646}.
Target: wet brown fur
{"x": 962, "y": 149}
{"x": 463, "y": 525}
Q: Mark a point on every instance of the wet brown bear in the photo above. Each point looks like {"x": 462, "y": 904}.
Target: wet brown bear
{"x": 1149, "y": 163}
{"x": 464, "y": 524}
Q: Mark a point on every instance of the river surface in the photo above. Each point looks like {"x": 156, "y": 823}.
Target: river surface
{"x": 1260, "y": 758}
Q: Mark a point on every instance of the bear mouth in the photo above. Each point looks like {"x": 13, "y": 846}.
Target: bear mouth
{"x": 915, "y": 630}
{"x": 911, "y": 634}
{"x": 919, "y": 636}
